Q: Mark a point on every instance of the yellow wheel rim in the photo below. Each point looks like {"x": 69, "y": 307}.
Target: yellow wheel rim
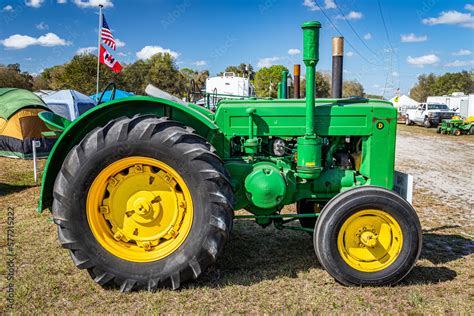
{"x": 139, "y": 209}
{"x": 370, "y": 240}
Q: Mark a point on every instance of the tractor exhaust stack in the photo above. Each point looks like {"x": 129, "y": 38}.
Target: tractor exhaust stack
{"x": 296, "y": 81}
{"x": 337, "y": 64}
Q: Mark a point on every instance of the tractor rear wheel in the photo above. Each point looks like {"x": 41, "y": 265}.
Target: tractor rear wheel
{"x": 368, "y": 236}
{"x": 471, "y": 130}
{"x": 457, "y": 132}
{"x": 143, "y": 203}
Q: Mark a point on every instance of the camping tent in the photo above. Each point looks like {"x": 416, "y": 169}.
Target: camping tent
{"x": 20, "y": 124}
{"x": 118, "y": 95}
{"x": 404, "y": 102}
{"x": 68, "y": 103}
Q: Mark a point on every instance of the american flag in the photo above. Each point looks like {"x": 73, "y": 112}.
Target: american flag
{"x": 106, "y": 34}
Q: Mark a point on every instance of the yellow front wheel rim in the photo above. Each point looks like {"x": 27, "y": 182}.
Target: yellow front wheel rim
{"x": 370, "y": 240}
{"x": 139, "y": 209}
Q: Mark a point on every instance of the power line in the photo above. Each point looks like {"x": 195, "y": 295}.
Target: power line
{"x": 346, "y": 40}
{"x": 391, "y": 49}
{"x": 353, "y": 29}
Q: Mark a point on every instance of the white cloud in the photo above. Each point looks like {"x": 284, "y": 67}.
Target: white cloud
{"x": 119, "y": 43}
{"x": 312, "y": 6}
{"x": 200, "y": 63}
{"x": 329, "y": 4}
{"x": 353, "y": 15}
{"x": 18, "y": 41}
{"x": 412, "y": 38}
{"x": 294, "y": 51}
{"x": 452, "y": 18}
{"x": 34, "y": 3}
{"x": 350, "y": 54}
{"x": 7, "y": 8}
{"x": 423, "y": 60}
{"x": 86, "y": 50}
{"x": 267, "y": 62}
{"x": 93, "y": 3}
{"x": 62, "y": 1}
{"x": 469, "y": 7}
{"x": 459, "y": 63}
{"x": 42, "y": 26}
{"x": 148, "y": 51}
{"x": 395, "y": 74}
{"x": 462, "y": 52}
{"x": 368, "y": 36}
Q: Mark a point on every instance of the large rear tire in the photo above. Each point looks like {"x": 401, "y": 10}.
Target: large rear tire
{"x": 143, "y": 203}
{"x": 368, "y": 236}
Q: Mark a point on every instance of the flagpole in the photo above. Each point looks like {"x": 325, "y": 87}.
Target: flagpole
{"x": 98, "y": 51}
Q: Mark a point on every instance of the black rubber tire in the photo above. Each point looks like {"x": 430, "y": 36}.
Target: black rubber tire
{"x": 471, "y": 130}
{"x": 427, "y": 123}
{"x": 457, "y": 132}
{"x": 407, "y": 120}
{"x": 305, "y": 207}
{"x": 340, "y": 208}
{"x": 438, "y": 130}
{"x": 174, "y": 144}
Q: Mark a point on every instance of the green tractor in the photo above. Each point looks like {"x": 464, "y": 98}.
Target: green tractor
{"x": 143, "y": 189}
{"x": 457, "y": 126}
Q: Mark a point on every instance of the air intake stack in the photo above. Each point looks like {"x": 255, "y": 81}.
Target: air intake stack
{"x": 309, "y": 146}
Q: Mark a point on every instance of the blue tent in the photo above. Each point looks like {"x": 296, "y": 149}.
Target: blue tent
{"x": 69, "y": 104}
{"x": 118, "y": 95}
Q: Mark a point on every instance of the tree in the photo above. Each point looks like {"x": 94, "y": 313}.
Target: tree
{"x": 241, "y": 70}
{"x": 352, "y": 88}
{"x": 266, "y": 77}
{"x": 165, "y": 75}
{"x": 454, "y": 82}
{"x": 11, "y": 76}
{"x": 323, "y": 85}
{"x": 134, "y": 76}
{"x": 424, "y": 87}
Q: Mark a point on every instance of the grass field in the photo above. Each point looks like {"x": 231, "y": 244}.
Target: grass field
{"x": 264, "y": 270}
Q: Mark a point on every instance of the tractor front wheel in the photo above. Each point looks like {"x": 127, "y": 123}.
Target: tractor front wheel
{"x": 142, "y": 203}
{"x": 457, "y": 132}
{"x": 368, "y": 236}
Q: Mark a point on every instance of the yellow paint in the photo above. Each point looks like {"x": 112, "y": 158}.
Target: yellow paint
{"x": 139, "y": 209}
{"x": 370, "y": 240}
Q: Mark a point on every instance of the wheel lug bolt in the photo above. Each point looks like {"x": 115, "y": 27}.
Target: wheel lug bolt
{"x": 146, "y": 245}
{"x": 104, "y": 210}
{"x": 118, "y": 236}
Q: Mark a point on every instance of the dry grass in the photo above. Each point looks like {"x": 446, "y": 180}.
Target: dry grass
{"x": 261, "y": 270}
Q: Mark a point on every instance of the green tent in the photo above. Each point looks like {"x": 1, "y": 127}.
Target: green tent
{"x": 20, "y": 124}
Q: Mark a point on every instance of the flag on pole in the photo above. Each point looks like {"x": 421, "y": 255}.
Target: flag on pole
{"x": 106, "y": 34}
{"x": 107, "y": 59}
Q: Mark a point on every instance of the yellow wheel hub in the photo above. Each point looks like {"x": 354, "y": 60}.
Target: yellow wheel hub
{"x": 370, "y": 240}
{"x": 139, "y": 209}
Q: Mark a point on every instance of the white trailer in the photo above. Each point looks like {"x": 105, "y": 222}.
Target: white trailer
{"x": 229, "y": 85}
{"x": 453, "y": 101}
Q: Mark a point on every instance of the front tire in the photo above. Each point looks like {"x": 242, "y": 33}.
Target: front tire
{"x": 427, "y": 122}
{"x": 368, "y": 236}
{"x": 143, "y": 203}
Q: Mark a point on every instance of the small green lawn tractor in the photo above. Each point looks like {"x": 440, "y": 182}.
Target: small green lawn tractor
{"x": 457, "y": 126}
{"x": 143, "y": 189}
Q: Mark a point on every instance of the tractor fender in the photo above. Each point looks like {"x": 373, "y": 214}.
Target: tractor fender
{"x": 198, "y": 118}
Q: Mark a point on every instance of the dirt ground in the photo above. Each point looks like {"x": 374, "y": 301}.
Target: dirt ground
{"x": 264, "y": 270}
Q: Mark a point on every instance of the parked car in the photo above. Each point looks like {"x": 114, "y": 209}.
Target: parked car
{"x": 428, "y": 114}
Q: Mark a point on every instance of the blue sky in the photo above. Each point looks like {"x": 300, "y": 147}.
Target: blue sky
{"x": 425, "y": 36}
